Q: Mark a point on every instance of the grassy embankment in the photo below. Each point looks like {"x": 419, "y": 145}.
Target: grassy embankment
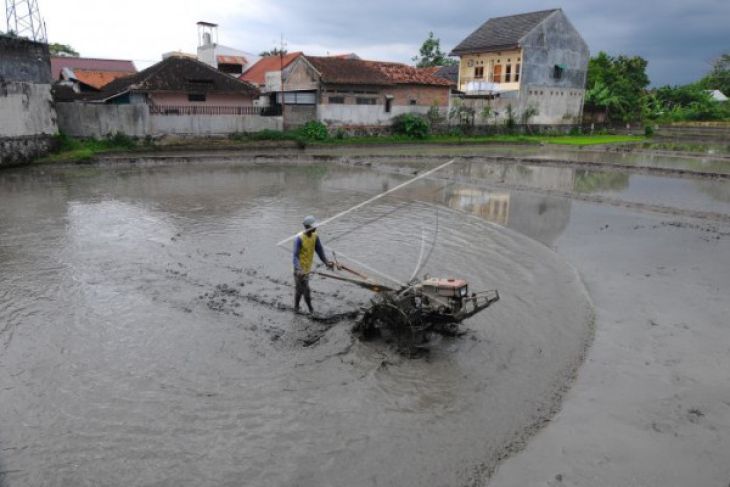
{"x": 70, "y": 149}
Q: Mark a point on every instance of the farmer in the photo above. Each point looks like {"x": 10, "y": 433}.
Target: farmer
{"x": 305, "y": 245}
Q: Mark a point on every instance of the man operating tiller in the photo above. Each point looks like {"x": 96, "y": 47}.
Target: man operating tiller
{"x": 306, "y": 244}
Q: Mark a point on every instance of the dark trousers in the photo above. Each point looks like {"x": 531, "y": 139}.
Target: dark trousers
{"x": 301, "y": 285}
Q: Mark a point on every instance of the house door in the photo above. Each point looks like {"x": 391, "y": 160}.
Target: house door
{"x": 497, "y": 73}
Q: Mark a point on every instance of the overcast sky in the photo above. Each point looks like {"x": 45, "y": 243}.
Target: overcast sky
{"x": 679, "y": 38}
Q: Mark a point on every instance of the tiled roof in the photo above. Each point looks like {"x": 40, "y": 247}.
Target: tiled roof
{"x": 347, "y": 55}
{"x": 222, "y": 59}
{"x": 450, "y": 73}
{"x": 97, "y": 79}
{"x": 501, "y": 32}
{"x": 358, "y": 72}
{"x": 403, "y": 74}
{"x": 256, "y": 74}
{"x": 90, "y": 64}
{"x": 179, "y": 74}
{"x": 347, "y": 71}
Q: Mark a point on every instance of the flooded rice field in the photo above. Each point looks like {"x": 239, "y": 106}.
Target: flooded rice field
{"x": 653, "y": 156}
{"x": 147, "y": 334}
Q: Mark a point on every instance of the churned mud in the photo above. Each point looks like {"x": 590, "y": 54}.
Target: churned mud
{"x": 148, "y": 334}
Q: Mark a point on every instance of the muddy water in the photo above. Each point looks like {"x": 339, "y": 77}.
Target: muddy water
{"x": 147, "y": 336}
{"x": 711, "y": 162}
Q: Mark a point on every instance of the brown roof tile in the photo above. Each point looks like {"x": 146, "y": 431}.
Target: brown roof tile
{"x": 97, "y": 79}
{"x": 256, "y": 74}
{"x": 359, "y": 72}
{"x": 347, "y": 71}
{"x": 404, "y": 74}
{"x": 179, "y": 74}
{"x": 90, "y": 64}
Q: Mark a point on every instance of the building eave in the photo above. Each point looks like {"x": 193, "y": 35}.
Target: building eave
{"x": 463, "y": 52}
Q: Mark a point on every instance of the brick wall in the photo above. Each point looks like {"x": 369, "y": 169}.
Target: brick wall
{"x": 423, "y": 95}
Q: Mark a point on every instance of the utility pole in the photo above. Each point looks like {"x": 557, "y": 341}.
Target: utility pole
{"x": 23, "y": 19}
{"x": 281, "y": 76}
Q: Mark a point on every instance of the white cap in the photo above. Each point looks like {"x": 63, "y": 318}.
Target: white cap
{"x": 310, "y": 221}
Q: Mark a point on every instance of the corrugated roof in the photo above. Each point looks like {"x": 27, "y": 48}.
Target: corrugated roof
{"x": 256, "y": 74}
{"x": 501, "y": 32}
{"x": 179, "y": 74}
{"x": 90, "y": 64}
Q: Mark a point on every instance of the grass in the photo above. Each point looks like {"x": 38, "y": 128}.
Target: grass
{"x": 70, "y": 149}
{"x": 573, "y": 140}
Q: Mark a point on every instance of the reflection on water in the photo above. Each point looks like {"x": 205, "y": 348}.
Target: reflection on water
{"x": 491, "y": 205}
{"x": 593, "y": 181}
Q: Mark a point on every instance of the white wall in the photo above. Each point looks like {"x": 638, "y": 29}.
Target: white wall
{"x": 335, "y": 114}
{"x": 26, "y": 109}
{"x": 211, "y": 124}
{"x": 99, "y": 120}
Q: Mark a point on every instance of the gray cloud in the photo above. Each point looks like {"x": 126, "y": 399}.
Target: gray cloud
{"x": 678, "y": 38}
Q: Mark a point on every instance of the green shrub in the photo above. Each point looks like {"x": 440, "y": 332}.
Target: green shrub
{"x": 456, "y": 132}
{"x": 648, "y": 130}
{"x": 65, "y": 143}
{"x": 314, "y": 130}
{"x": 510, "y": 122}
{"x": 119, "y": 140}
{"x": 411, "y": 125}
{"x": 340, "y": 134}
{"x": 434, "y": 114}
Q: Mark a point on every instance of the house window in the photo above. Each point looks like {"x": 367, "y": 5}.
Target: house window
{"x": 557, "y": 71}
{"x": 508, "y": 73}
{"x": 365, "y": 101}
{"x": 299, "y": 98}
{"x": 336, "y": 100}
{"x": 479, "y": 72}
{"x": 388, "y": 104}
{"x": 414, "y": 101}
{"x": 497, "y": 73}
{"x": 517, "y": 72}
{"x": 196, "y": 96}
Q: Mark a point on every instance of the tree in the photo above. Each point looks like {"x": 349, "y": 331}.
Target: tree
{"x": 600, "y": 96}
{"x": 678, "y": 103}
{"x": 273, "y": 52}
{"x": 57, "y": 49}
{"x": 719, "y": 77}
{"x": 431, "y": 54}
{"x": 617, "y": 83}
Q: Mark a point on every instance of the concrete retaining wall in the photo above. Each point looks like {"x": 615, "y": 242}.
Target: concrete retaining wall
{"x": 25, "y": 61}
{"x": 100, "y": 120}
{"x": 97, "y": 121}
{"x": 26, "y": 109}
{"x": 27, "y": 117}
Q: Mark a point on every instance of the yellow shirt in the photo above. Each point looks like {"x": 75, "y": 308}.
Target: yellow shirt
{"x": 306, "y": 252}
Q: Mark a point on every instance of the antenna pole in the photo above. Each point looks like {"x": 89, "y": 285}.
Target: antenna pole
{"x": 374, "y": 198}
